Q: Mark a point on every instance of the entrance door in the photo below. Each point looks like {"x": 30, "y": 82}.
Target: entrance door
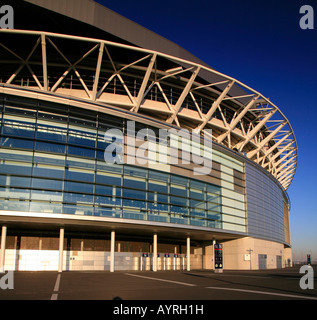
{"x": 278, "y": 261}
{"x": 262, "y": 261}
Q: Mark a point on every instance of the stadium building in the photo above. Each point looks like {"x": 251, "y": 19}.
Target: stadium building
{"x": 73, "y": 73}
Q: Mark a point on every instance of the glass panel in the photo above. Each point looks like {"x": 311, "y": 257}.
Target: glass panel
{"x": 80, "y": 163}
{"x": 3, "y": 180}
{"x": 179, "y": 220}
{"x": 157, "y": 186}
{"x": 101, "y": 143}
{"x": 160, "y": 218}
{"x": 79, "y": 175}
{"x": 17, "y": 181}
{"x": 47, "y": 195}
{"x": 179, "y": 210}
{"x": 178, "y": 190}
{"x": 108, "y": 178}
{"x": 16, "y": 143}
{"x": 198, "y": 222}
{"x": 79, "y": 119}
{"x": 78, "y": 187}
{"x": 197, "y": 213}
{"x": 179, "y": 180}
{"x": 103, "y": 190}
{"x": 134, "y": 172}
{"x": 80, "y": 210}
{"x": 26, "y": 156}
{"x": 82, "y": 138}
{"x": 46, "y": 207}
{"x": 18, "y": 130}
{"x": 14, "y": 205}
{"x": 196, "y": 195}
{"x": 162, "y": 207}
{"x": 158, "y": 176}
{"x": 197, "y": 192}
{"x": 54, "y": 115}
{"x": 178, "y": 201}
{"x": 197, "y": 185}
{"x": 78, "y": 198}
{"x": 52, "y": 124}
{"x": 133, "y": 203}
{"x": 100, "y": 155}
{"x": 129, "y": 214}
{"x": 49, "y": 158}
{"x": 15, "y": 193}
{"x": 41, "y": 170}
{"x": 133, "y": 182}
{"x": 20, "y": 108}
{"x": 213, "y": 197}
{"x": 11, "y": 167}
{"x": 197, "y": 204}
{"x": 213, "y": 215}
{"x": 214, "y": 224}
{"x": 107, "y": 212}
{"x": 107, "y": 200}
{"x": 51, "y": 133}
{"x": 157, "y": 207}
{"x": 102, "y": 166}
{"x": 213, "y": 189}
{"x": 213, "y": 207}
{"x": 157, "y": 197}
{"x": 50, "y": 147}
{"x": 82, "y": 152}
{"x": 140, "y": 195}
{"x": 47, "y": 184}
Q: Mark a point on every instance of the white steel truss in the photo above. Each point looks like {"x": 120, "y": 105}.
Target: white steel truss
{"x": 241, "y": 118}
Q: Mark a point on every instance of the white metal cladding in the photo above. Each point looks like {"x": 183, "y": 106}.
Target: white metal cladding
{"x": 264, "y": 205}
{"x": 188, "y": 95}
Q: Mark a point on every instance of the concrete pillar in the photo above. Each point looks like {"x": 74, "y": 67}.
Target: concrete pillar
{"x": 61, "y": 249}
{"x": 3, "y": 247}
{"x": 188, "y": 253}
{"x": 112, "y": 248}
{"x": 155, "y": 252}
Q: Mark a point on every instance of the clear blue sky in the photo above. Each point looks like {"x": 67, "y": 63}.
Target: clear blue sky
{"x": 261, "y": 44}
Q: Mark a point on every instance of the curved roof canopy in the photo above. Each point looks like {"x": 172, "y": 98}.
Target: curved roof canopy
{"x": 175, "y": 91}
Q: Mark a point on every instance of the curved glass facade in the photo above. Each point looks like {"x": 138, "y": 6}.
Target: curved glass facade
{"x": 52, "y": 161}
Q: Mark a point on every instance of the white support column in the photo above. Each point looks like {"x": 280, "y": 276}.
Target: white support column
{"x": 3, "y": 246}
{"x": 61, "y": 249}
{"x": 112, "y": 248}
{"x": 188, "y": 253}
{"x": 155, "y": 252}
{"x": 213, "y": 254}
